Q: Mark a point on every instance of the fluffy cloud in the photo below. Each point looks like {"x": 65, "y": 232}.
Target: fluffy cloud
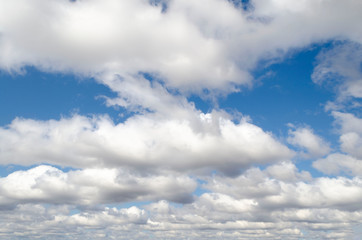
{"x": 125, "y": 37}
{"x": 58, "y": 222}
{"x": 351, "y": 133}
{"x": 306, "y": 139}
{"x": 234, "y": 208}
{"x": 350, "y": 162}
{"x": 339, "y": 163}
{"x": 286, "y": 171}
{"x": 142, "y": 142}
{"x": 162, "y": 152}
{"x": 46, "y": 184}
{"x": 276, "y": 194}
{"x": 190, "y": 46}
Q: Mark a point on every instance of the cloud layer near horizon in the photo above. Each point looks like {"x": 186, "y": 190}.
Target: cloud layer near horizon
{"x": 257, "y": 204}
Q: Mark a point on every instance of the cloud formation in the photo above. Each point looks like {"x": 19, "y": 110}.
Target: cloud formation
{"x": 142, "y": 142}
{"x": 253, "y": 205}
{"x": 46, "y": 184}
{"x": 337, "y": 163}
{"x": 190, "y": 46}
{"x": 350, "y": 161}
{"x": 341, "y": 63}
{"x": 201, "y": 175}
{"x": 305, "y": 138}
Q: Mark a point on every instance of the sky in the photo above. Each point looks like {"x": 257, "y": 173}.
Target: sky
{"x": 180, "y": 119}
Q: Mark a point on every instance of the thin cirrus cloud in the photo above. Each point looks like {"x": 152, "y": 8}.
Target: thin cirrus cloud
{"x": 170, "y": 170}
{"x": 342, "y": 62}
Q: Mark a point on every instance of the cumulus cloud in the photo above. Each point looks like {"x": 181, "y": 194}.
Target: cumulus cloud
{"x": 142, "y": 142}
{"x": 339, "y": 163}
{"x": 193, "y": 45}
{"x": 351, "y": 133}
{"x": 305, "y": 138}
{"x": 275, "y": 194}
{"x": 87, "y": 187}
{"x": 299, "y": 207}
{"x": 125, "y": 37}
{"x": 205, "y": 47}
{"x": 349, "y": 162}
{"x": 348, "y": 122}
{"x": 37, "y": 221}
{"x": 287, "y": 171}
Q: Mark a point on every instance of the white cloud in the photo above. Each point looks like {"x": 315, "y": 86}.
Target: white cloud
{"x": 185, "y": 46}
{"x": 351, "y": 133}
{"x": 312, "y": 209}
{"x": 349, "y": 162}
{"x": 341, "y": 65}
{"x": 144, "y": 142}
{"x": 287, "y": 171}
{"x": 306, "y": 139}
{"x": 303, "y": 192}
{"x": 224, "y": 203}
{"x": 46, "y": 184}
{"x": 352, "y": 144}
{"x": 122, "y": 37}
{"x": 339, "y": 163}
{"x": 190, "y": 47}
{"x": 348, "y": 122}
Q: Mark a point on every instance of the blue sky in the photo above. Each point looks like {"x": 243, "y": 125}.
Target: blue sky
{"x": 180, "y": 119}
{"x": 279, "y": 97}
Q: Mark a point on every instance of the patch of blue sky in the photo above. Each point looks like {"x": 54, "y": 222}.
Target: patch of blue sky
{"x": 200, "y": 188}
{"x": 244, "y": 4}
{"x": 160, "y": 3}
{"x": 283, "y": 94}
{"x": 306, "y": 165}
{"x": 201, "y": 104}
{"x": 74, "y": 211}
{"x": 8, "y": 169}
{"x": 43, "y": 96}
{"x": 286, "y": 94}
{"x": 5, "y": 170}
